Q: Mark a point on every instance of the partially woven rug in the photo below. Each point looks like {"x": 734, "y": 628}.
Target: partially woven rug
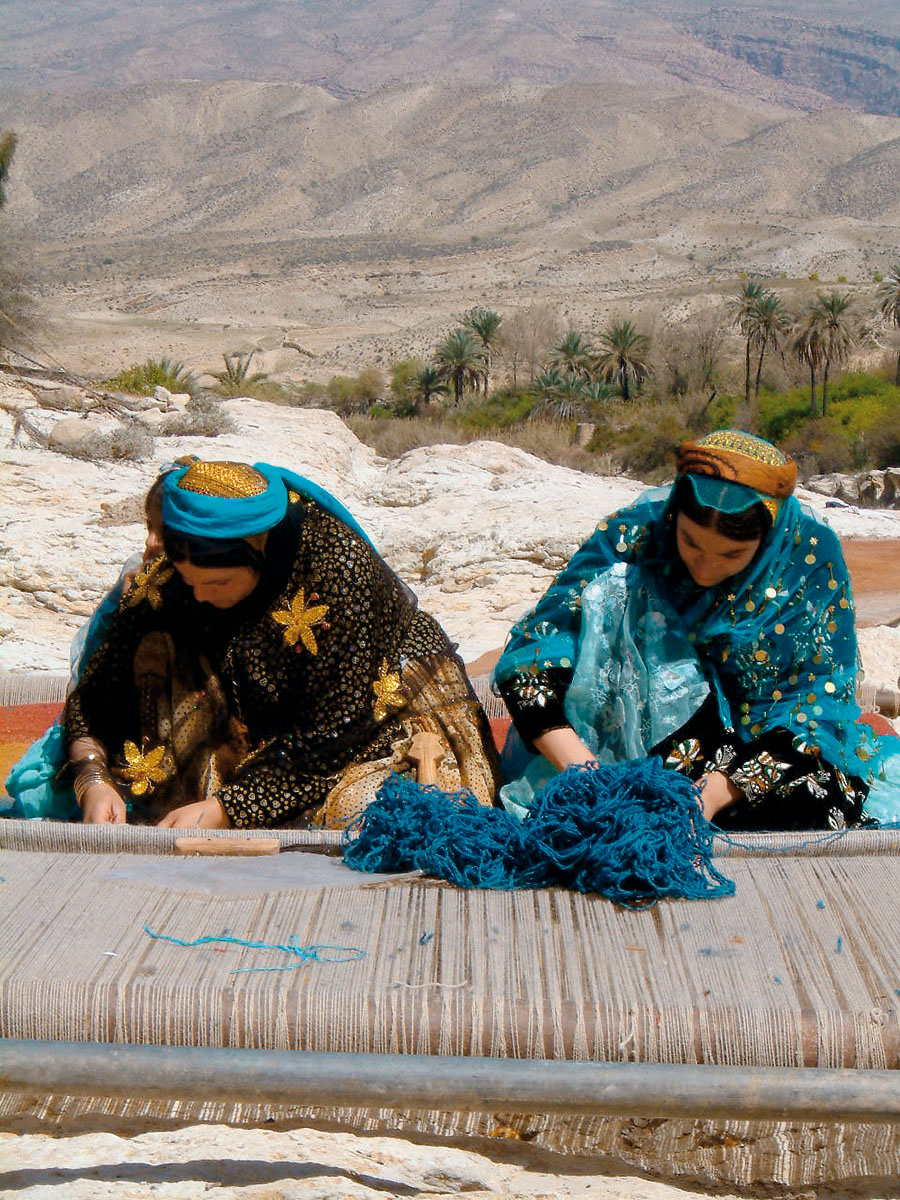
{"x": 800, "y": 968}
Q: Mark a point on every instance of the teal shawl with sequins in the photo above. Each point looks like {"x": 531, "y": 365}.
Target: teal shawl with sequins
{"x": 775, "y": 643}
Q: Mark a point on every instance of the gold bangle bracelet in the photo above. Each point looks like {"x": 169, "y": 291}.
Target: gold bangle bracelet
{"x": 86, "y": 760}
{"x": 85, "y": 778}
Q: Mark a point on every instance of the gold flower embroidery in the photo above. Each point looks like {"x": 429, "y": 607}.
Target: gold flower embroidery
{"x": 683, "y": 755}
{"x": 143, "y": 770}
{"x": 388, "y": 692}
{"x": 148, "y": 582}
{"x": 300, "y": 619}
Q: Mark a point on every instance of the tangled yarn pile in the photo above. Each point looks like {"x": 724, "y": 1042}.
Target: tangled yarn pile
{"x": 632, "y": 832}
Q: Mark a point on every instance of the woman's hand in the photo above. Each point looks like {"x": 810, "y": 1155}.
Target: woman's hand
{"x": 564, "y": 748}
{"x": 102, "y": 805}
{"x": 202, "y": 814}
{"x": 717, "y": 792}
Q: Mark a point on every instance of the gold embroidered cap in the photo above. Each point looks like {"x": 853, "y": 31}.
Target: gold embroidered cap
{"x": 734, "y": 457}
{"x": 223, "y": 499}
{"x": 223, "y": 479}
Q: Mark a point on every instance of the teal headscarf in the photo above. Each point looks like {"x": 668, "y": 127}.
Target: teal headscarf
{"x": 249, "y": 506}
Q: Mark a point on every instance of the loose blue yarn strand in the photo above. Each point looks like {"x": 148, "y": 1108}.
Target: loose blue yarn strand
{"x": 303, "y": 953}
{"x": 821, "y": 839}
{"x": 632, "y": 832}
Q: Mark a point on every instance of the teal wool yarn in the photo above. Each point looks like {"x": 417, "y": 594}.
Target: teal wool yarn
{"x": 632, "y": 832}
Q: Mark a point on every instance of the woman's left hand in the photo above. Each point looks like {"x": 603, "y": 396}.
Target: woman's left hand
{"x": 717, "y": 792}
{"x": 203, "y": 814}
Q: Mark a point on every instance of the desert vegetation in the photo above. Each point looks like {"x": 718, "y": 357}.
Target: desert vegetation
{"x": 619, "y": 397}
{"x": 142, "y": 378}
{"x": 798, "y": 366}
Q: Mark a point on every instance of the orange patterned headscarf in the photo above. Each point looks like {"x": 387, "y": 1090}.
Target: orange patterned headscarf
{"x": 738, "y": 457}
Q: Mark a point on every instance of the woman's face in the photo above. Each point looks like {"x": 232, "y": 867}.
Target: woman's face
{"x": 709, "y": 557}
{"x": 153, "y": 546}
{"x": 222, "y": 587}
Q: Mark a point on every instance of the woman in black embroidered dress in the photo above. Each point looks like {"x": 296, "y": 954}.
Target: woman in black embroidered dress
{"x": 269, "y": 669}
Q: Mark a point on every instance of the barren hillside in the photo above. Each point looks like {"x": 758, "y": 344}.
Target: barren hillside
{"x": 845, "y": 52}
{"x": 194, "y": 178}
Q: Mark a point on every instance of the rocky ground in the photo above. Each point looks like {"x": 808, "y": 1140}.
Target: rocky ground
{"x": 477, "y": 531}
{"x": 218, "y": 1163}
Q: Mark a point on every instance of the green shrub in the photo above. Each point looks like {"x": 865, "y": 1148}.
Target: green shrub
{"x": 643, "y": 445}
{"x": 404, "y": 379}
{"x": 140, "y": 379}
{"x": 820, "y": 448}
{"x": 352, "y": 394}
{"x": 504, "y": 409}
{"x": 721, "y": 412}
{"x": 309, "y": 395}
{"x": 857, "y": 403}
{"x": 882, "y": 441}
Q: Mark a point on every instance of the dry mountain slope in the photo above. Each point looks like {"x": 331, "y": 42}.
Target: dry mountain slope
{"x": 207, "y": 174}
{"x": 802, "y": 51}
{"x": 246, "y": 164}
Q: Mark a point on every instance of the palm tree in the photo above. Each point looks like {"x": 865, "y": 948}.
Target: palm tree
{"x": 769, "y": 323}
{"x": 838, "y": 334}
{"x": 485, "y": 324}
{"x": 745, "y": 307}
{"x": 621, "y": 358}
{"x": 461, "y": 361}
{"x": 572, "y": 355}
{"x": 236, "y": 375}
{"x": 890, "y": 304}
{"x": 562, "y": 396}
{"x": 807, "y": 345}
{"x": 429, "y": 382}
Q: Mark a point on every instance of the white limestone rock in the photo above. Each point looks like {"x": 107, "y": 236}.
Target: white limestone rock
{"x": 68, "y": 435}
{"x": 153, "y": 419}
{"x": 170, "y": 402}
{"x": 478, "y": 531}
{"x": 65, "y": 396}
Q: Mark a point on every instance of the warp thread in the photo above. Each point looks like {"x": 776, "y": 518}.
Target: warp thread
{"x": 304, "y": 954}
{"x": 632, "y": 832}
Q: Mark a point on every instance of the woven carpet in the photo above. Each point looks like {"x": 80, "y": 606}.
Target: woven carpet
{"x": 800, "y": 968}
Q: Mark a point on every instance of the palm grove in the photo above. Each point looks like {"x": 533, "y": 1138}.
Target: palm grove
{"x": 646, "y": 387}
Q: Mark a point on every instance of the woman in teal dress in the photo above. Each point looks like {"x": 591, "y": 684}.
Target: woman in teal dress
{"x": 710, "y": 623}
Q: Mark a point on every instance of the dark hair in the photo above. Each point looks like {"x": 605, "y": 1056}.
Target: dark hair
{"x": 153, "y": 498}
{"x": 211, "y": 552}
{"x": 754, "y": 522}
